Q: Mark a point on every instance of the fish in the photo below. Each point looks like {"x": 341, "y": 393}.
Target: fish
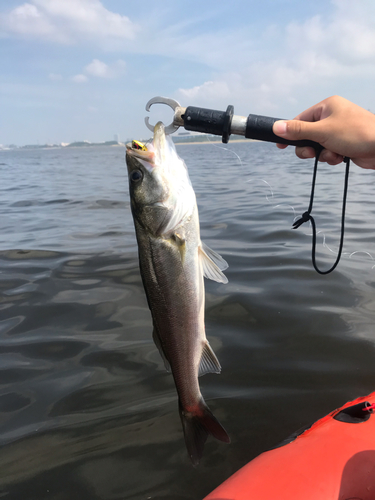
{"x": 173, "y": 262}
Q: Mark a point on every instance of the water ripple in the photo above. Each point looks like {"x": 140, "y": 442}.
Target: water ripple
{"x": 87, "y": 410}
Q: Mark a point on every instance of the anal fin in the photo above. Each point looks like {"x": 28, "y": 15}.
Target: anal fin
{"x": 209, "y": 362}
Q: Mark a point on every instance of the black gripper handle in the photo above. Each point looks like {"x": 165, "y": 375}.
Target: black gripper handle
{"x": 210, "y": 121}
{"x": 260, "y": 128}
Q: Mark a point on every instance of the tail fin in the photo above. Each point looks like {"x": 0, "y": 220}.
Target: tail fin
{"x": 197, "y": 425}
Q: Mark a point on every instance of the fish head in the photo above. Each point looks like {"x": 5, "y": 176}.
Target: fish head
{"x": 160, "y": 190}
{"x": 146, "y": 187}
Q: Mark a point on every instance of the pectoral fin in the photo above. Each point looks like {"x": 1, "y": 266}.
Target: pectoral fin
{"x": 179, "y": 241}
{"x": 212, "y": 264}
{"x": 157, "y": 342}
{"x": 209, "y": 362}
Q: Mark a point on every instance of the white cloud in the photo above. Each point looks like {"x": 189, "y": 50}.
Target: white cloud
{"x": 298, "y": 64}
{"x": 348, "y": 38}
{"x": 67, "y": 21}
{"x": 102, "y": 70}
{"x": 207, "y": 90}
{"x": 26, "y": 20}
{"x": 79, "y": 79}
{"x": 97, "y": 68}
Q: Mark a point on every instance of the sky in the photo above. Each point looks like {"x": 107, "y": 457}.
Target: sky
{"x": 75, "y": 70}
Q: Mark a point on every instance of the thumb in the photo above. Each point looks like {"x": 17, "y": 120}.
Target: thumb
{"x": 297, "y": 130}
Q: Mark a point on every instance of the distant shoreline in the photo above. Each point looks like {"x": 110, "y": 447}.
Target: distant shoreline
{"x": 118, "y": 145}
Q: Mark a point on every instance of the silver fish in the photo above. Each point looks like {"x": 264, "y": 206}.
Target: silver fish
{"x": 173, "y": 261}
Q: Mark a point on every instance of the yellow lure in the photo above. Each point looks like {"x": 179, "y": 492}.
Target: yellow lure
{"x": 139, "y": 145}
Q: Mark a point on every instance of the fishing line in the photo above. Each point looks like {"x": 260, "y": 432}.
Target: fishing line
{"x": 365, "y": 252}
{"x": 324, "y": 244}
{"x": 267, "y": 184}
{"x": 349, "y": 254}
{"x": 289, "y": 206}
{"x": 241, "y": 163}
{"x": 361, "y": 251}
{"x": 251, "y": 180}
{"x": 225, "y": 149}
{"x": 258, "y": 180}
{"x": 307, "y": 217}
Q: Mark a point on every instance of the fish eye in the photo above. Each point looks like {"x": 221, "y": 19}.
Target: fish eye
{"x": 136, "y": 175}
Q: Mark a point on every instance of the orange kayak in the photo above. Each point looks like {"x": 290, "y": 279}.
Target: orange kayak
{"x": 334, "y": 459}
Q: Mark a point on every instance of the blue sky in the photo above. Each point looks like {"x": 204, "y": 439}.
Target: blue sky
{"x": 84, "y": 69}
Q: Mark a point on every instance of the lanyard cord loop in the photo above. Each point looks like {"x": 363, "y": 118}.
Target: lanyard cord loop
{"x": 306, "y": 216}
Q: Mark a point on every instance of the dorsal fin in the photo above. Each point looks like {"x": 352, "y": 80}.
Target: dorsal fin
{"x": 209, "y": 362}
{"x": 157, "y": 342}
{"x": 212, "y": 264}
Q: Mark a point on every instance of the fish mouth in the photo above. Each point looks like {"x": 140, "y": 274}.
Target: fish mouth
{"x": 154, "y": 151}
{"x": 146, "y": 155}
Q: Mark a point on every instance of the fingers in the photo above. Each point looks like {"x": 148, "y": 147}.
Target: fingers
{"x": 305, "y": 152}
{"x": 298, "y": 130}
{"x": 367, "y": 163}
{"x": 325, "y": 156}
{"x": 330, "y": 157}
{"x": 339, "y": 126}
{"x": 316, "y": 112}
{"x": 295, "y": 130}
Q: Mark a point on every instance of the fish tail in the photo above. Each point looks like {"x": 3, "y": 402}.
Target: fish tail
{"x": 197, "y": 424}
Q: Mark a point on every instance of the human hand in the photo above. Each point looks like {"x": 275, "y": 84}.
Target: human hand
{"x": 341, "y": 127}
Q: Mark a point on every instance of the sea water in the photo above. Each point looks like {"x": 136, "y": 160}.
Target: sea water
{"x": 87, "y": 410}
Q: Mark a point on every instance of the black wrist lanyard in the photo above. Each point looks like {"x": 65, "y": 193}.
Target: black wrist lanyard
{"x": 308, "y": 217}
